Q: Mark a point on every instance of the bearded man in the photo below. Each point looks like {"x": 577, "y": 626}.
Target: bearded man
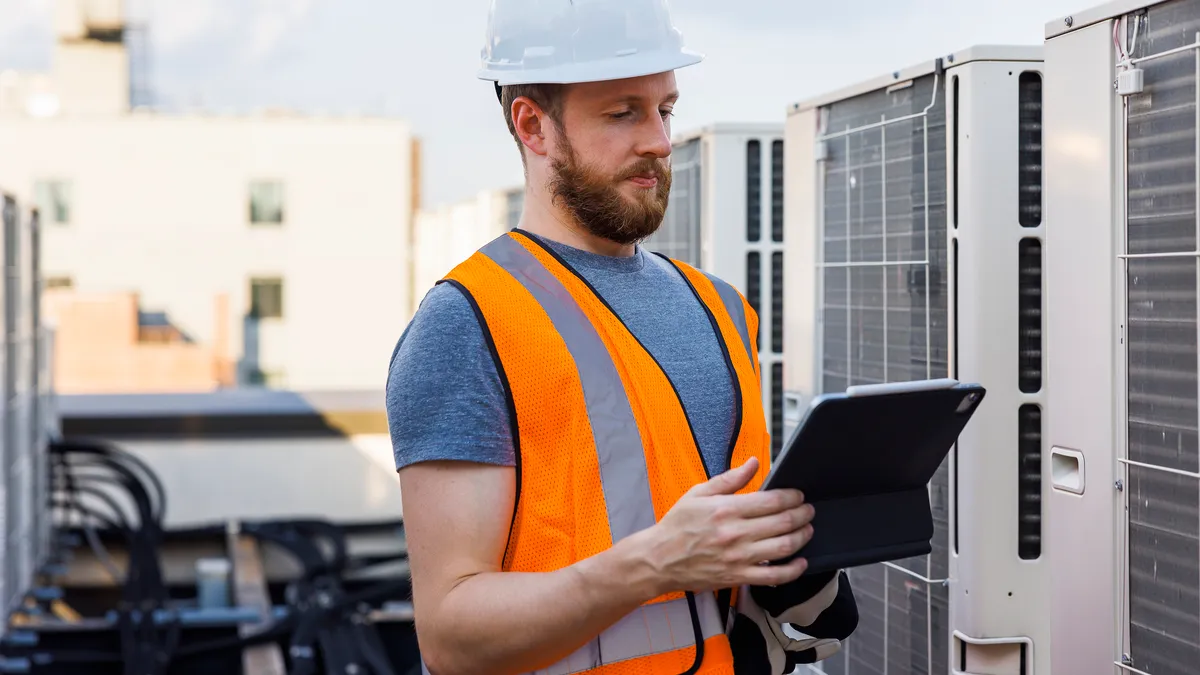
{"x": 577, "y": 422}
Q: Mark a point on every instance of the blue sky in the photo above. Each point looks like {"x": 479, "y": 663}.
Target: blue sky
{"x": 417, "y": 60}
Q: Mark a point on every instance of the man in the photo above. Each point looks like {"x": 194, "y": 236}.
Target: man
{"x": 577, "y": 422}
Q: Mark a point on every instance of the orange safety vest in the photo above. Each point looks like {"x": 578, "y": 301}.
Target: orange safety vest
{"x": 603, "y": 446}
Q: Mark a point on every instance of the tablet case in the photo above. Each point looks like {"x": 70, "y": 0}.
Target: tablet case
{"x": 864, "y": 463}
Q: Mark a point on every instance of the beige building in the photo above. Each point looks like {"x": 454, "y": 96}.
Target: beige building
{"x": 449, "y": 234}
{"x": 302, "y": 222}
{"x": 104, "y": 342}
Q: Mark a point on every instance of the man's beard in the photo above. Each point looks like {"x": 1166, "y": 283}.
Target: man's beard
{"x": 596, "y": 202}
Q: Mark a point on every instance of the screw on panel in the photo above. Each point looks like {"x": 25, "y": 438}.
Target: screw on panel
{"x": 1070, "y": 21}
{"x": 1120, "y": 485}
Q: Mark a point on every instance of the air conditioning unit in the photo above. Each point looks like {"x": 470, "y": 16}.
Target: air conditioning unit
{"x": 915, "y": 240}
{"x": 25, "y": 426}
{"x": 1122, "y": 111}
{"x": 725, "y": 217}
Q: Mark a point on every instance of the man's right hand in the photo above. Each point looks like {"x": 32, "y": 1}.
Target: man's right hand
{"x": 714, "y": 538}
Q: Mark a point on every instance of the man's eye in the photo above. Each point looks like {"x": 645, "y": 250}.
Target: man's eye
{"x": 620, "y": 115}
{"x": 667, "y": 113}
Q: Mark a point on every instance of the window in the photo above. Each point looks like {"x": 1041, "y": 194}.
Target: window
{"x": 266, "y": 298}
{"x": 59, "y": 282}
{"x": 266, "y": 202}
{"x": 53, "y": 199}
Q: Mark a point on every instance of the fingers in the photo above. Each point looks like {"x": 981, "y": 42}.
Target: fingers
{"x": 730, "y": 481}
{"x": 769, "y": 503}
{"x": 779, "y": 547}
{"x": 776, "y": 575}
{"x": 777, "y": 524}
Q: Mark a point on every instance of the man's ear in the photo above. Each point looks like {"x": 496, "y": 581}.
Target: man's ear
{"x": 531, "y": 123}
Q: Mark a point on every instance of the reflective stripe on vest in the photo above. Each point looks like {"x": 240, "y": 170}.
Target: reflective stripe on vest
{"x": 648, "y": 630}
{"x": 623, "y": 474}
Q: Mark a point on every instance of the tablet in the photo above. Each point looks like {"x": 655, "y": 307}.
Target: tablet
{"x": 864, "y": 460}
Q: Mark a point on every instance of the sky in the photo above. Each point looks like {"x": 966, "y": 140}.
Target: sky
{"x": 417, "y": 59}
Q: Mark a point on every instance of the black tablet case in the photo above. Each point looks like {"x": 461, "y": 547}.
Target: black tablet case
{"x": 865, "y": 463}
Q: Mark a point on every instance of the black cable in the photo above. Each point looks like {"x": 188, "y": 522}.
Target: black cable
{"x": 372, "y": 649}
{"x": 144, "y": 650}
{"x": 319, "y": 607}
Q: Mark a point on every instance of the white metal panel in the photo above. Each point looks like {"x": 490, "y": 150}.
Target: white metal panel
{"x": 801, "y": 195}
{"x": 999, "y": 567}
{"x": 1081, "y": 352}
{"x": 976, "y": 53}
{"x": 727, "y": 128}
{"x": 1094, "y": 15}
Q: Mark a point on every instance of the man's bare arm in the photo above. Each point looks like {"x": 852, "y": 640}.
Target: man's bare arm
{"x": 473, "y": 618}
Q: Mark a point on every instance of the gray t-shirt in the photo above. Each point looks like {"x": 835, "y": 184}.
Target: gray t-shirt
{"x": 445, "y": 400}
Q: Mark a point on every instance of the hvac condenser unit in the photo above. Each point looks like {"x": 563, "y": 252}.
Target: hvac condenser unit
{"x": 25, "y": 427}
{"x": 915, "y": 244}
{"x": 725, "y": 216}
{"x": 1122, "y": 112}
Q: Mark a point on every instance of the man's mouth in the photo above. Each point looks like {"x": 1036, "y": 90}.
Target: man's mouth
{"x": 645, "y": 180}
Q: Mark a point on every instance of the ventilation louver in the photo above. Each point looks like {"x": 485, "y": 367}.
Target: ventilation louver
{"x": 884, "y": 311}
{"x": 1163, "y": 507}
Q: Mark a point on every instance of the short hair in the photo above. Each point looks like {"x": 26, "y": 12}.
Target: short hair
{"x": 549, "y": 98}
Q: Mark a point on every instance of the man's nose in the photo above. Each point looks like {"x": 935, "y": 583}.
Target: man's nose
{"x": 655, "y": 140}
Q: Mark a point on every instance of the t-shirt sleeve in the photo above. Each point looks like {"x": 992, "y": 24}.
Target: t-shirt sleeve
{"x": 444, "y": 396}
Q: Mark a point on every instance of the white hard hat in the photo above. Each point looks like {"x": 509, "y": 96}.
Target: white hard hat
{"x": 568, "y": 41}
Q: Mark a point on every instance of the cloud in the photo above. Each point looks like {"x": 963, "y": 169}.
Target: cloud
{"x": 272, "y": 21}
{"x": 258, "y": 28}
{"x": 24, "y": 29}
{"x": 177, "y": 25}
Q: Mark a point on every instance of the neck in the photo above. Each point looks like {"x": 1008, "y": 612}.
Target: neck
{"x": 542, "y": 217}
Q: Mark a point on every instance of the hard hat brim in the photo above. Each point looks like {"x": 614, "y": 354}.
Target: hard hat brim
{"x": 615, "y": 68}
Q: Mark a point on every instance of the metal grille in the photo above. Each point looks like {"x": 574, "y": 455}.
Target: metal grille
{"x": 883, "y": 318}
{"x": 18, "y": 470}
{"x": 40, "y": 393}
{"x": 1162, "y": 635}
{"x": 1029, "y": 423}
{"x": 8, "y": 455}
{"x": 777, "y": 302}
{"x": 514, "y": 204}
{"x": 754, "y": 288}
{"x": 25, "y": 520}
{"x": 753, "y": 190}
{"x": 777, "y": 191}
{"x": 1029, "y": 99}
{"x": 776, "y": 408}
{"x": 679, "y": 235}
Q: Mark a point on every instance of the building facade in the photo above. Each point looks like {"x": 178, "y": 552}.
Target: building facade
{"x": 302, "y": 222}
